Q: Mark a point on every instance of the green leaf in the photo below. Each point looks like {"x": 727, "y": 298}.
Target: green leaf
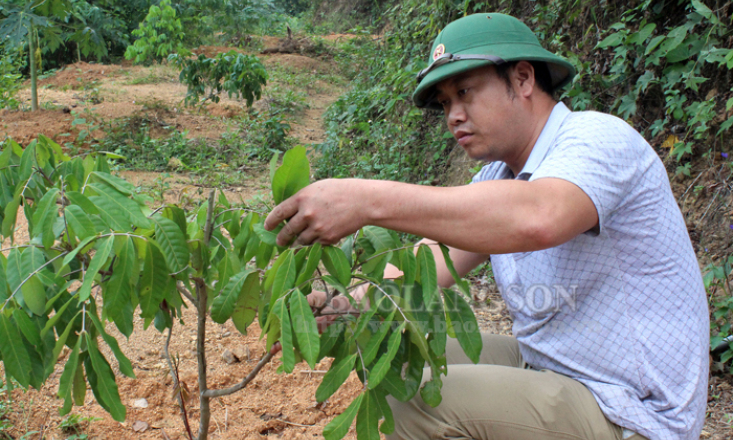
{"x": 77, "y": 198}
{"x": 79, "y": 221}
{"x": 61, "y": 341}
{"x": 430, "y": 392}
{"x": 172, "y": 242}
{"x": 380, "y": 369}
{"x": 71, "y": 255}
{"x": 339, "y": 426}
{"x": 66, "y": 381}
{"x": 46, "y": 205}
{"x": 154, "y": 281}
{"x": 461, "y": 283}
{"x": 656, "y": 41}
{"x": 269, "y": 237}
{"x": 104, "y": 386}
{"x": 381, "y": 401}
{"x": 408, "y": 266}
{"x": 367, "y": 421}
{"x": 305, "y": 327}
{"x": 613, "y": 40}
{"x": 27, "y": 327}
{"x": 104, "y": 247}
{"x": 118, "y": 206}
{"x": 245, "y": 308}
{"x": 115, "y": 182}
{"x": 379, "y": 238}
{"x": 79, "y": 387}
{"x": 427, "y": 275}
{"x": 337, "y": 264}
{"x": 464, "y": 324}
{"x": 15, "y": 357}
{"x": 336, "y": 376}
{"x": 124, "y": 363}
{"x": 285, "y": 275}
{"x": 34, "y": 295}
{"x": 224, "y": 304}
{"x": 292, "y": 176}
{"x": 10, "y": 215}
{"x": 286, "y": 335}
{"x": 372, "y": 347}
{"x": 437, "y": 327}
{"x": 706, "y": 12}
{"x": 33, "y": 290}
{"x": 314, "y": 257}
{"x": 67, "y": 377}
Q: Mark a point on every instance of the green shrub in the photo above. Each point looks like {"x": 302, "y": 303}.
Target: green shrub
{"x": 158, "y": 36}
{"x": 238, "y": 74}
{"x": 9, "y": 80}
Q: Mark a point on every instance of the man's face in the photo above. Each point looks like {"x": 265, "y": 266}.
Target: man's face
{"x": 483, "y": 114}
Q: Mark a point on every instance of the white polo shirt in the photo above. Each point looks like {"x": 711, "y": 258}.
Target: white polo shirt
{"x": 621, "y": 309}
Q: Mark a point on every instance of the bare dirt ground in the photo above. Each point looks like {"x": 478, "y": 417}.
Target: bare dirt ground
{"x": 274, "y": 405}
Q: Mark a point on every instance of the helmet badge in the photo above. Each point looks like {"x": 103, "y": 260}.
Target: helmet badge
{"x": 440, "y": 50}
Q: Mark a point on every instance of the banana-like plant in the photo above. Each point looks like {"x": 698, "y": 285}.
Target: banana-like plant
{"x": 97, "y": 254}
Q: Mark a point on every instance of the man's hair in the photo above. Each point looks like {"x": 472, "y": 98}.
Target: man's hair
{"x": 541, "y": 75}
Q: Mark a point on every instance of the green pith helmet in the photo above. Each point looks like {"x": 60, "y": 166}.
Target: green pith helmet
{"x": 480, "y": 40}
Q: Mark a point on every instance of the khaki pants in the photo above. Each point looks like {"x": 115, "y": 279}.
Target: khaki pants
{"x": 500, "y": 399}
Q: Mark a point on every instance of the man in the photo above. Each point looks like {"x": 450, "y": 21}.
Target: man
{"x": 586, "y": 241}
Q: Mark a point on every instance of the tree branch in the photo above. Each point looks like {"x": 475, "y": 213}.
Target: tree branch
{"x": 231, "y": 390}
{"x": 186, "y": 293}
{"x": 176, "y": 383}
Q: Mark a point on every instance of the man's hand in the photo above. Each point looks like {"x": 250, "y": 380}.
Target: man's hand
{"x": 323, "y": 212}
{"x": 339, "y": 306}
{"x": 329, "y": 313}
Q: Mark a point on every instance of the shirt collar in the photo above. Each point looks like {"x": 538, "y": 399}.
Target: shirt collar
{"x": 545, "y": 141}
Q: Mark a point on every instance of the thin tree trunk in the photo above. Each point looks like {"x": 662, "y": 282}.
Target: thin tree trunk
{"x": 204, "y": 409}
{"x": 34, "y": 74}
{"x": 201, "y": 298}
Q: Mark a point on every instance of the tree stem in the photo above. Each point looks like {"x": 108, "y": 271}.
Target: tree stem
{"x": 205, "y": 409}
{"x": 201, "y": 300}
{"x": 34, "y": 74}
{"x": 231, "y": 390}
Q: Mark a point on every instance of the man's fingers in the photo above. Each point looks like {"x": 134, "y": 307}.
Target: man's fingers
{"x": 292, "y": 228}
{"x": 282, "y": 212}
{"x": 317, "y": 298}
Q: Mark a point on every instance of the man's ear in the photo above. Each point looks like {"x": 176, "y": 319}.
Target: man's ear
{"x": 523, "y": 78}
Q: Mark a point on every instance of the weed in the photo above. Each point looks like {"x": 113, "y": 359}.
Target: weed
{"x": 75, "y": 424}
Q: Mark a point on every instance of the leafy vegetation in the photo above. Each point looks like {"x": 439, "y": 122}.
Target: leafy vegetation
{"x": 717, "y": 282}
{"x": 238, "y": 74}
{"x": 160, "y": 35}
{"x": 88, "y": 225}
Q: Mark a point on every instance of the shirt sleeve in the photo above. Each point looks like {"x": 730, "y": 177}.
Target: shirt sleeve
{"x": 602, "y": 155}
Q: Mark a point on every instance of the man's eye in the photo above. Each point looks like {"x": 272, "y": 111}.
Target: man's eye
{"x": 462, "y": 92}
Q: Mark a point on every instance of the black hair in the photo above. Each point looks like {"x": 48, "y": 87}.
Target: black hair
{"x": 541, "y": 75}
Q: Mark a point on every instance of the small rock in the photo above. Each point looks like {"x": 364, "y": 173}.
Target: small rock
{"x": 229, "y": 357}
{"x": 242, "y": 353}
{"x": 140, "y": 403}
{"x": 140, "y": 426}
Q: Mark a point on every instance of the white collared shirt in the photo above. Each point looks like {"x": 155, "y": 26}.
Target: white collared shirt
{"x": 621, "y": 309}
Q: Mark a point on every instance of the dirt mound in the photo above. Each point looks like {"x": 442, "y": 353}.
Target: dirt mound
{"x": 23, "y": 127}
{"x": 212, "y": 51}
{"x": 296, "y": 62}
{"x": 76, "y": 75}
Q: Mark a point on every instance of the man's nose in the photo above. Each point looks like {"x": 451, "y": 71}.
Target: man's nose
{"x": 455, "y": 114}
